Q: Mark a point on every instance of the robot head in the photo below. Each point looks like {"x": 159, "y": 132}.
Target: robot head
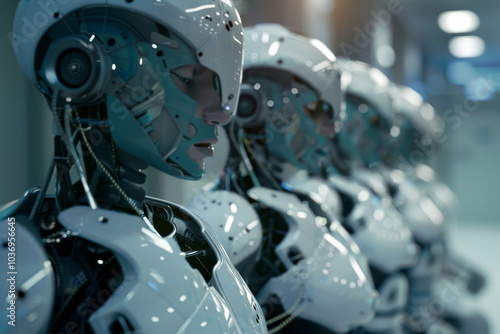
{"x": 366, "y": 125}
{"x": 161, "y": 74}
{"x": 417, "y": 124}
{"x": 290, "y": 101}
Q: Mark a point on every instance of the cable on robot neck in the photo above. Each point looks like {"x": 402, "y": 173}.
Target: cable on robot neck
{"x": 110, "y": 177}
{"x": 66, "y": 137}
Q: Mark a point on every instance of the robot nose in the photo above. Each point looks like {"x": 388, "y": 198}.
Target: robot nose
{"x": 215, "y": 116}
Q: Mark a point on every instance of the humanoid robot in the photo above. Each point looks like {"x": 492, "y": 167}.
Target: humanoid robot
{"x": 369, "y": 216}
{"x": 375, "y": 139}
{"x": 289, "y": 108}
{"x": 130, "y": 84}
{"x": 411, "y": 179}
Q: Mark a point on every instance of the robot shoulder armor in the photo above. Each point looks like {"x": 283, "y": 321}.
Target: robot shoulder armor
{"x": 233, "y": 219}
{"x": 30, "y": 283}
{"x": 23, "y": 205}
{"x": 319, "y": 194}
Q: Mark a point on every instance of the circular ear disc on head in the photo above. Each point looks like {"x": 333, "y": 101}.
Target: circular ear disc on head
{"x": 77, "y": 68}
{"x": 250, "y": 106}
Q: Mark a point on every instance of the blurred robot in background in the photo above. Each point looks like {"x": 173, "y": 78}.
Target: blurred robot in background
{"x": 371, "y": 141}
{"x": 290, "y": 103}
{"x": 368, "y": 212}
{"x": 130, "y": 84}
{"x": 419, "y": 131}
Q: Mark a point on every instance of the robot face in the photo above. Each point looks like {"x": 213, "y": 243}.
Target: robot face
{"x": 296, "y": 122}
{"x": 368, "y": 130}
{"x": 417, "y": 122}
{"x": 203, "y": 86}
{"x": 365, "y": 133}
{"x": 166, "y": 72}
{"x": 164, "y": 97}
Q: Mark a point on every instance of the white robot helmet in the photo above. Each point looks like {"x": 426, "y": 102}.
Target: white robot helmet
{"x": 141, "y": 59}
{"x": 295, "y": 96}
{"x": 368, "y": 82}
{"x": 416, "y": 121}
{"x": 368, "y": 120}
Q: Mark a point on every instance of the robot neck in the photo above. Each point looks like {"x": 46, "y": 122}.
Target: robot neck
{"x": 130, "y": 176}
{"x": 102, "y": 162}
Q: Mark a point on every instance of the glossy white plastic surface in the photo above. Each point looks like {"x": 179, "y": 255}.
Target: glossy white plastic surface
{"x": 361, "y": 79}
{"x": 393, "y": 296}
{"x": 33, "y": 279}
{"x": 326, "y": 285}
{"x": 228, "y": 282}
{"x": 439, "y": 192}
{"x": 409, "y": 104}
{"x": 314, "y": 64}
{"x": 378, "y": 229}
{"x": 161, "y": 291}
{"x": 319, "y": 192}
{"x": 420, "y": 212}
{"x": 233, "y": 219}
{"x": 213, "y": 19}
{"x": 372, "y": 180}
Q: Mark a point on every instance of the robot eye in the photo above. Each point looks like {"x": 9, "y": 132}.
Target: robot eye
{"x": 184, "y": 74}
{"x": 185, "y": 80}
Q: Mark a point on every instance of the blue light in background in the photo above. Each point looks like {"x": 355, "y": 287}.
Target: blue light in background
{"x": 460, "y": 72}
{"x": 480, "y": 83}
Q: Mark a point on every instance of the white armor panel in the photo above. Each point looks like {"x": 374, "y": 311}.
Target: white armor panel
{"x": 421, "y": 214}
{"x": 318, "y": 190}
{"x": 378, "y": 229}
{"x": 321, "y": 194}
{"x": 372, "y": 180}
{"x": 233, "y": 219}
{"x": 393, "y": 296}
{"x": 31, "y": 280}
{"x": 327, "y": 286}
{"x": 439, "y": 192}
{"x": 183, "y": 302}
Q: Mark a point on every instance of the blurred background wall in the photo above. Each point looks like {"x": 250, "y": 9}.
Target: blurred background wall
{"x": 401, "y": 37}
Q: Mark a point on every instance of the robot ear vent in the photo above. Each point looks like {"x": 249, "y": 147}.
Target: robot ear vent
{"x": 249, "y": 105}
{"x": 77, "y": 68}
{"x": 73, "y": 68}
